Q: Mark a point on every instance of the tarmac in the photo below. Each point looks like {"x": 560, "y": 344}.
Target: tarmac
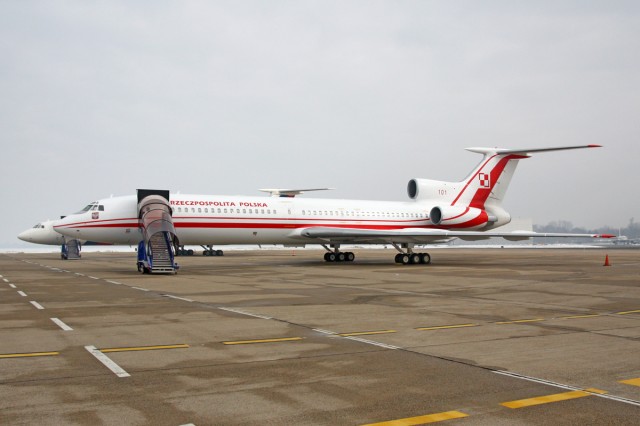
{"x": 479, "y": 337}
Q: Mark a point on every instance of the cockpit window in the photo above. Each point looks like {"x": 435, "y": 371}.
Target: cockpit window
{"x": 39, "y": 226}
{"x": 92, "y": 206}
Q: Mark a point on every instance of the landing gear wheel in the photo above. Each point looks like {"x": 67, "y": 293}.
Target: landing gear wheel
{"x": 398, "y": 258}
{"x": 405, "y": 259}
{"x": 189, "y": 252}
{"x": 219, "y": 253}
{"x": 341, "y": 257}
{"x": 350, "y": 256}
{"x": 206, "y": 253}
{"x": 414, "y": 258}
{"x": 331, "y": 257}
{"x": 425, "y": 258}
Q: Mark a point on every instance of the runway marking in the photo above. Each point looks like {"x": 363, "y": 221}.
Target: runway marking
{"x": 174, "y": 297}
{"x": 22, "y": 293}
{"x": 114, "y": 282}
{"x": 364, "y": 333}
{"x": 30, "y": 354}
{"x": 5, "y": 280}
{"x": 420, "y": 420}
{"x": 79, "y": 274}
{"x": 140, "y": 288}
{"x": 520, "y": 321}
{"x": 93, "y": 278}
{"x": 632, "y": 382}
{"x": 319, "y": 330}
{"x": 595, "y": 392}
{"x": 238, "y": 311}
{"x": 36, "y": 304}
{"x": 440, "y": 327}
{"x": 371, "y": 342}
{"x": 107, "y": 362}
{"x": 628, "y": 312}
{"x": 12, "y": 285}
{"x": 546, "y": 399}
{"x": 581, "y": 316}
{"x": 61, "y": 324}
{"x": 247, "y": 342}
{"x": 144, "y": 348}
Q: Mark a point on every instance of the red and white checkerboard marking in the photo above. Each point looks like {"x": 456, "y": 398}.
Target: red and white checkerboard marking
{"x": 485, "y": 181}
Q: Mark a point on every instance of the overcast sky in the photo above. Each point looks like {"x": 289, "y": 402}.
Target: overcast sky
{"x": 225, "y": 97}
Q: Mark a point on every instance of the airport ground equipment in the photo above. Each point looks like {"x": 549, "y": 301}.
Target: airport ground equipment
{"x": 156, "y": 251}
{"x": 70, "y": 249}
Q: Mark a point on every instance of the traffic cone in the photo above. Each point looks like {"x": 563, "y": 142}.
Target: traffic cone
{"x": 606, "y": 261}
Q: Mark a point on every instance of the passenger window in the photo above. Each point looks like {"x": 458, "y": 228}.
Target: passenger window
{"x": 199, "y": 210}
{"x": 262, "y": 211}
{"x": 250, "y": 211}
{"x": 101, "y": 208}
{"x": 225, "y": 210}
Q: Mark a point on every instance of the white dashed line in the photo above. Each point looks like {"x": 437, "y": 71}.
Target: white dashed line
{"x": 371, "y": 342}
{"x": 62, "y": 325}
{"x": 5, "y": 280}
{"x": 22, "y": 293}
{"x": 114, "y": 282}
{"x": 238, "y": 311}
{"x": 107, "y": 361}
{"x": 140, "y": 288}
{"x": 36, "y": 304}
{"x": 176, "y": 297}
{"x": 12, "y": 286}
{"x": 79, "y": 274}
{"x": 93, "y": 278}
{"x": 319, "y": 330}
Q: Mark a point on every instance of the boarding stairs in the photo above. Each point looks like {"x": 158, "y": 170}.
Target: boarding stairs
{"x": 156, "y": 251}
{"x": 70, "y": 249}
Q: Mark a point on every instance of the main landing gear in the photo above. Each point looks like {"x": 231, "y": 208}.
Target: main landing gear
{"x": 336, "y": 255}
{"x": 408, "y": 257}
{"x": 209, "y": 251}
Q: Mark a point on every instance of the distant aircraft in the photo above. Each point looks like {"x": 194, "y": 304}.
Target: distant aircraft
{"x": 437, "y": 212}
{"x": 42, "y": 233}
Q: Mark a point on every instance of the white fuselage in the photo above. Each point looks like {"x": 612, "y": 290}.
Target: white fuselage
{"x": 220, "y": 220}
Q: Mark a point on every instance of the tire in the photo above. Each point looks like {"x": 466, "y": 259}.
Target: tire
{"x": 350, "y": 256}
{"x": 189, "y": 252}
{"x": 342, "y": 257}
{"x": 405, "y": 259}
{"x": 414, "y": 258}
{"x": 425, "y": 258}
{"x": 219, "y": 253}
{"x": 398, "y": 258}
{"x": 331, "y": 257}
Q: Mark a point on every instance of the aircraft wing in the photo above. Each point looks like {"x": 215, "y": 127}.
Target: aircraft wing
{"x": 422, "y": 235}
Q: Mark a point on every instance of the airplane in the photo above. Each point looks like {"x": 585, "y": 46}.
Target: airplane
{"x": 436, "y": 212}
{"x": 42, "y": 233}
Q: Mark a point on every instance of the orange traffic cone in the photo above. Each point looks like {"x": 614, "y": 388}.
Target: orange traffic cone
{"x": 606, "y": 261}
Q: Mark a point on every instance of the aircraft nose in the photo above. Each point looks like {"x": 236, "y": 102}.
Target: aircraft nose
{"x": 26, "y": 236}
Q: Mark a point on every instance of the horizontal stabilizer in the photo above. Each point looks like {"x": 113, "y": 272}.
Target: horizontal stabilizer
{"x": 528, "y": 151}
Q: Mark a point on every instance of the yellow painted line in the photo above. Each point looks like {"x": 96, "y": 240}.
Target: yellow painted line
{"x": 521, "y": 403}
{"x": 520, "y": 321}
{"x": 633, "y": 382}
{"x": 581, "y": 316}
{"x": 594, "y": 390}
{"x": 628, "y": 312}
{"x": 440, "y": 327}
{"x": 29, "y": 354}
{"x": 364, "y": 333}
{"x": 421, "y": 420}
{"x": 144, "y": 348}
{"x": 247, "y": 342}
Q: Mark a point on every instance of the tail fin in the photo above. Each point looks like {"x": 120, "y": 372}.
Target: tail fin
{"x": 488, "y": 182}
